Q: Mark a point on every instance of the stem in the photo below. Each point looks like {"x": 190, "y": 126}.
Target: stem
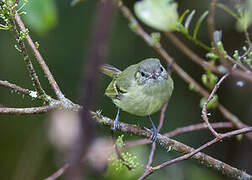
{"x": 27, "y": 60}
{"x": 41, "y": 61}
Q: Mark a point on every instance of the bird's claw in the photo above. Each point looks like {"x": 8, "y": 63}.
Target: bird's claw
{"x": 153, "y": 137}
{"x": 116, "y": 125}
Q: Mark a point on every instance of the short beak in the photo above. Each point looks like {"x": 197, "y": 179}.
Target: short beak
{"x": 154, "y": 76}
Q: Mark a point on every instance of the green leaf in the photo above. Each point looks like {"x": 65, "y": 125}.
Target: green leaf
{"x": 181, "y": 19}
{"x": 189, "y": 19}
{"x": 199, "y": 22}
{"x": 155, "y": 36}
{"x": 211, "y": 104}
{"x": 209, "y": 80}
{"x": 159, "y": 14}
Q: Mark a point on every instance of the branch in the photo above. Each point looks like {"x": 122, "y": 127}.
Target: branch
{"x": 41, "y": 61}
{"x": 168, "y": 143}
{"x": 27, "y": 60}
{"x": 158, "y": 47}
{"x": 198, "y": 127}
{"x": 204, "y": 109}
{"x": 15, "y": 87}
{"x": 210, "y": 20}
{"x": 203, "y": 63}
{"x": 211, "y": 29}
{"x": 236, "y": 175}
{"x": 32, "y": 110}
{"x": 187, "y": 51}
{"x": 58, "y": 173}
{"x": 183, "y": 130}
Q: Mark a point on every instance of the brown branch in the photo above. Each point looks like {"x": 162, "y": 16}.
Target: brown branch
{"x": 33, "y": 75}
{"x": 15, "y": 87}
{"x": 158, "y": 47}
{"x": 203, "y": 63}
{"x": 194, "y": 152}
{"x": 58, "y": 173}
{"x": 204, "y": 109}
{"x": 247, "y": 76}
{"x": 168, "y": 143}
{"x": 182, "y": 130}
{"x": 210, "y": 23}
{"x": 41, "y": 61}
{"x": 187, "y": 51}
{"x": 210, "y": 20}
{"x": 32, "y": 110}
{"x": 196, "y": 127}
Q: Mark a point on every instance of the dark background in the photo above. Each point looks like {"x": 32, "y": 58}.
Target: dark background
{"x": 63, "y": 33}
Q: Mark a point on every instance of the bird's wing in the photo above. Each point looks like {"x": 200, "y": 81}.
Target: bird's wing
{"x": 121, "y": 83}
{"x": 111, "y": 90}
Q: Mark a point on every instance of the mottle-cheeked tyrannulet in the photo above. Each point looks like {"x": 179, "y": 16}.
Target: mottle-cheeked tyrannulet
{"x": 141, "y": 89}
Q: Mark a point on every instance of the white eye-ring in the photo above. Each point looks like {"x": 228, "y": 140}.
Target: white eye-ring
{"x": 161, "y": 69}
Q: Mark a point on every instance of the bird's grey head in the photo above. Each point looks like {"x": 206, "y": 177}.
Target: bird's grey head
{"x": 150, "y": 71}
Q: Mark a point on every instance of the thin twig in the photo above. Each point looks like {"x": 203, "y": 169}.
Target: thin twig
{"x": 158, "y": 47}
{"x": 211, "y": 29}
{"x": 32, "y": 110}
{"x": 58, "y": 173}
{"x": 194, "y": 152}
{"x": 187, "y": 51}
{"x": 203, "y": 63}
{"x": 168, "y": 143}
{"x": 15, "y": 87}
{"x": 41, "y": 61}
{"x": 153, "y": 146}
{"x": 210, "y": 20}
{"x": 182, "y": 130}
{"x": 33, "y": 75}
{"x": 193, "y": 128}
{"x": 204, "y": 109}
{"x": 131, "y": 143}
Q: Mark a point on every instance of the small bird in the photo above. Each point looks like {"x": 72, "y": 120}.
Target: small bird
{"x": 141, "y": 89}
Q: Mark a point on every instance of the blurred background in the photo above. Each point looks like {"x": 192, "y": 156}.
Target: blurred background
{"x": 35, "y": 146}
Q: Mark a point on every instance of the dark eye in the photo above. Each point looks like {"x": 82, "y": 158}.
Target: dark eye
{"x": 142, "y": 74}
{"x": 161, "y": 69}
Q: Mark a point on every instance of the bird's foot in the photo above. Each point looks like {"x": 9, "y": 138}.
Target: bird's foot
{"x": 154, "y": 134}
{"x": 117, "y": 121}
{"x": 116, "y": 125}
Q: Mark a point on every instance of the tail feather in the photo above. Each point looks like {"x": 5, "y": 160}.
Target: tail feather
{"x": 110, "y": 70}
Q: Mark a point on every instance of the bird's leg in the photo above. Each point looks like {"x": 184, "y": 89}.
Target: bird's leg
{"x": 154, "y": 130}
{"x": 117, "y": 121}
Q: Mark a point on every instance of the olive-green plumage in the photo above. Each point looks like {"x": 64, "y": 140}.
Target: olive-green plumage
{"x": 141, "y": 89}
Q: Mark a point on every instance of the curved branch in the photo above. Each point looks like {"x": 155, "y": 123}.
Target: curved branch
{"x": 243, "y": 175}
{"x": 168, "y": 143}
{"x": 41, "y": 61}
{"x": 33, "y": 75}
{"x": 187, "y": 51}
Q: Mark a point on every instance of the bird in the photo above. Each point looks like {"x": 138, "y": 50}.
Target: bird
{"x": 141, "y": 89}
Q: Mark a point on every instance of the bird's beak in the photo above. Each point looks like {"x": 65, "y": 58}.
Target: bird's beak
{"x": 154, "y": 76}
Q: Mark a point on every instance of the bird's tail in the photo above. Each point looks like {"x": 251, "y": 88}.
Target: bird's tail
{"x": 110, "y": 70}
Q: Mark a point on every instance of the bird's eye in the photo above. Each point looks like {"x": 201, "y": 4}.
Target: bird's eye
{"x": 142, "y": 74}
{"x": 161, "y": 69}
